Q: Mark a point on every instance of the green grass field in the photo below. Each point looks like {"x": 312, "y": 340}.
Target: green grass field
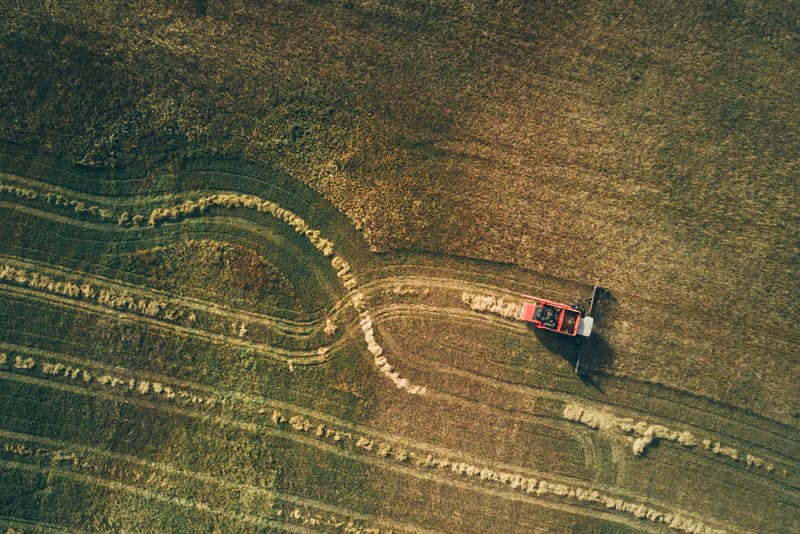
{"x": 239, "y": 242}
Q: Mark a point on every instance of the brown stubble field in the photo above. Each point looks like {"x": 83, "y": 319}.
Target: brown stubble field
{"x": 448, "y": 149}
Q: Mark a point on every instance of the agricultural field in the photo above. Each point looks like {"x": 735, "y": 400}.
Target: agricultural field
{"x": 261, "y": 266}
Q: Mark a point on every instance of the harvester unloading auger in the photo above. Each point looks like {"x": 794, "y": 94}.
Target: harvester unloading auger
{"x": 565, "y": 319}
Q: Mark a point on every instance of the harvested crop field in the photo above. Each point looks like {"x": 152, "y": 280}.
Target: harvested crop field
{"x": 262, "y": 263}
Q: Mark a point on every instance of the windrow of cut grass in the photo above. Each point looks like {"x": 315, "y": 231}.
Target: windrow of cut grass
{"x": 641, "y": 434}
{"x": 446, "y": 333}
{"x": 194, "y": 208}
{"x": 131, "y": 344}
{"x": 492, "y": 304}
{"x": 139, "y": 300}
{"x": 358, "y": 445}
{"x": 108, "y": 250}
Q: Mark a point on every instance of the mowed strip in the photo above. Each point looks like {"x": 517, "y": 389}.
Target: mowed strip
{"x": 343, "y": 269}
{"x": 523, "y": 387}
{"x": 403, "y": 461}
{"x": 191, "y": 208}
{"x": 201, "y": 491}
{"x": 468, "y": 333}
{"x": 171, "y": 216}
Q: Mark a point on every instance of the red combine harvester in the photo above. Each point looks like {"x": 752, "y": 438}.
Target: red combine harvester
{"x": 561, "y": 318}
{"x": 564, "y": 319}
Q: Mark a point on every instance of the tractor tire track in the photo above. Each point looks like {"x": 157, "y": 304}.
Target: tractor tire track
{"x": 148, "y": 494}
{"x": 299, "y": 357}
{"x": 414, "y": 311}
{"x": 256, "y": 427}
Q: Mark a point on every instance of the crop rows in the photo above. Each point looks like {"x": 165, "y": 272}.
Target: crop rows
{"x": 161, "y": 479}
{"x": 453, "y": 392}
{"x": 192, "y": 208}
{"x": 433, "y": 358}
{"x": 357, "y": 442}
{"x": 190, "y": 315}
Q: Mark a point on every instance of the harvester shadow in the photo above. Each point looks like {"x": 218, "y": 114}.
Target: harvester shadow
{"x": 599, "y": 354}
{"x": 597, "y": 359}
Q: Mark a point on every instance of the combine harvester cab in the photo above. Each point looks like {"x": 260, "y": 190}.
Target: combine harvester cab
{"x": 556, "y": 317}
